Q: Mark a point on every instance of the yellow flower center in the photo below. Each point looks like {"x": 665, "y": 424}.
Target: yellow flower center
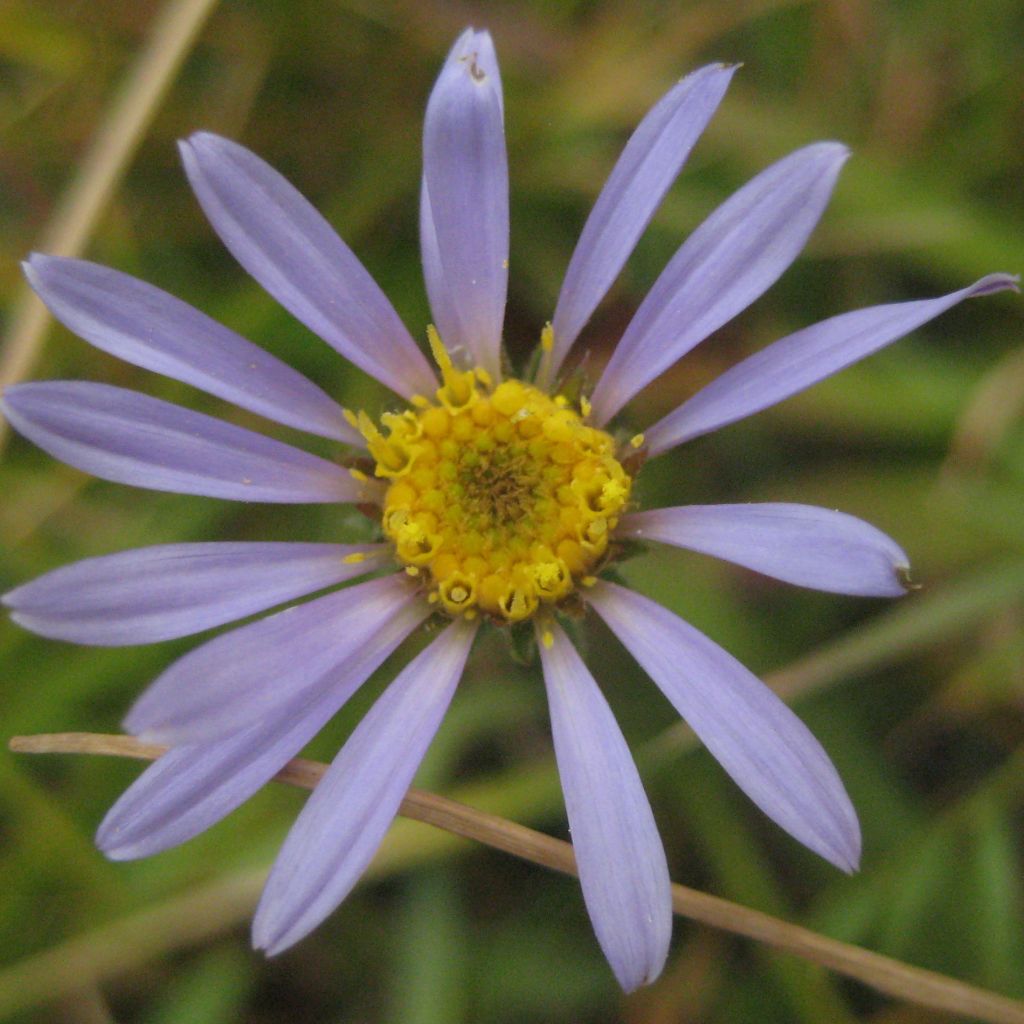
{"x": 501, "y": 498}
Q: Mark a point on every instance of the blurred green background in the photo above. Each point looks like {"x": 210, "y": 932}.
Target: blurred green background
{"x": 920, "y": 702}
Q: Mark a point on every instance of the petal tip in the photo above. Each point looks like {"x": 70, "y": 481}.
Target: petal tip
{"x": 198, "y": 145}
{"x": 837, "y": 152}
{"x": 268, "y": 937}
{"x": 720, "y": 68}
{"x": 849, "y": 864}
{"x": 187, "y": 155}
{"x": 36, "y": 263}
{"x": 256, "y": 938}
{"x": 904, "y": 579}
{"x": 137, "y": 726}
{"x": 825, "y": 158}
{"x": 118, "y": 854}
{"x": 202, "y": 138}
{"x": 110, "y": 840}
{"x": 23, "y": 621}
{"x": 999, "y": 282}
{"x": 845, "y": 849}
{"x": 473, "y": 36}
{"x": 474, "y": 49}
{"x": 108, "y": 843}
{"x": 632, "y": 976}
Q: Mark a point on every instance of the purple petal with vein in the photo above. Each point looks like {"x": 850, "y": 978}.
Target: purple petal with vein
{"x": 171, "y": 590}
{"x": 734, "y": 256}
{"x": 283, "y": 242}
{"x": 801, "y": 544}
{"x": 649, "y": 164}
{"x": 621, "y": 860}
{"x": 766, "y": 749}
{"x": 465, "y": 198}
{"x": 802, "y": 359}
{"x": 442, "y": 306}
{"x": 149, "y": 328}
{"x": 131, "y": 438}
{"x": 193, "y": 786}
{"x": 251, "y": 673}
{"x": 353, "y": 805}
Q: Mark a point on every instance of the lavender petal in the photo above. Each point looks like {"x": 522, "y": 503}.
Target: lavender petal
{"x": 171, "y": 590}
{"x": 465, "y": 198}
{"x": 193, "y": 786}
{"x": 131, "y": 438}
{"x": 352, "y": 807}
{"x": 442, "y": 305}
{"x": 147, "y": 327}
{"x": 619, "y": 854}
{"x": 802, "y": 359}
{"x": 281, "y": 240}
{"x": 649, "y": 164}
{"x": 768, "y": 751}
{"x": 730, "y": 260}
{"x": 801, "y": 544}
{"x": 251, "y": 673}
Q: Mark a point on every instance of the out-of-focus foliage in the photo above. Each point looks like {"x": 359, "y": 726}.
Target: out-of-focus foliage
{"x": 919, "y": 703}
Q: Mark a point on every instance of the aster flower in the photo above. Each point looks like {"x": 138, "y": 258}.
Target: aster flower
{"x": 500, "y": 501}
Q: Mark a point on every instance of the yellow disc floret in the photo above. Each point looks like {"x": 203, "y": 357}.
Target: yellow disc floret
{"x": 501, "y": 499}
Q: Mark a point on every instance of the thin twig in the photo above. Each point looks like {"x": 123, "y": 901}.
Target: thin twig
{"x": 102, "y": 167}
{"x": 894, "y": 978}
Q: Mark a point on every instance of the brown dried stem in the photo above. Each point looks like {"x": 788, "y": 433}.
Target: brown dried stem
{"x": 115, "y": 142}
{"x": 894, "y": 978}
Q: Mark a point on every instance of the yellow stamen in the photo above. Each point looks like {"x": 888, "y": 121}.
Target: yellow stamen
{"x": 391, "y": 460}
{"x": 501, "y": 498}
{"x": 458, "y": 385}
